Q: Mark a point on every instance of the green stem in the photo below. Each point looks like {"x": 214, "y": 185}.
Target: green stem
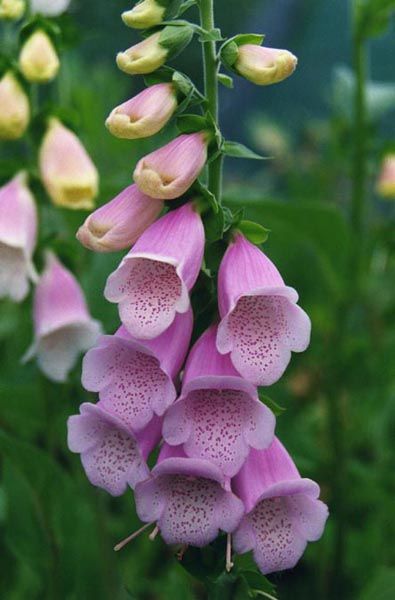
{"x": 210, "y": 63}
{"x": 359, "y": 174}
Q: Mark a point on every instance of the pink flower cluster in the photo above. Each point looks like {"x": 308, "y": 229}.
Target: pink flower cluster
{"x": 220, "y": 466}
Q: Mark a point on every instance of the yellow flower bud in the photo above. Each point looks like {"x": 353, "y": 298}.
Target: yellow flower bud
{"x": 264, "y": 66}
{"x": 15, "y": 109}
{"x": 38, "y": 59}
{"x": 144, "y": 15}
{"x": 145, "y": 57}
{"x": 67, "y": 172}
{"x": 12, "y": 9}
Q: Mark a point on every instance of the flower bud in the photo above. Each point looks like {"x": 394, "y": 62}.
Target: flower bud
{"x": 168, "y": 172}
{"x": 119, "y": 223}
{"x": 264, "y": 66}
{"x": 49, "y": 8}
{"x": 12, "y": 9}
{"x": 38, "y": 59}
{"x": 15, "y": 109}
{"x": 145, "y": 114}
{"x": 152, "y": 53}
{"x": 386, "y": 182}
{"x": 145, "y": 14}
{"x": 68, "y": 173}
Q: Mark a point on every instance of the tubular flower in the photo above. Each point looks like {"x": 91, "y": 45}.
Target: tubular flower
{"x": 15, "y": 109}
{"x": 145, "y": 57}
{"x": 264, "y": 66}
{"x": 18, "y": 233}
{"x": 219, "y": 416}
{"x": 49, "y": 8}
{"x": 386, "y": 182}
{"x": 151, "y": 284}
{"x": 283, "y": 512}
{"x": 261, "y": 322}
{"x": 68, "y": 174}
{"x": 135, "y": 379}
{"x": 169, "y": 172}
{"x": 189, "y": 499}
{"x": 113, "y": 456}
{"x": 119, "y": 223}
{"x": 145, "y": 14}
{"x": 155, "y": 50}
{"x": 38, "y": 59}
{"x": 62, "y": 324}
{"x": 12, "y": 9}
{"x": 145, "y": 114}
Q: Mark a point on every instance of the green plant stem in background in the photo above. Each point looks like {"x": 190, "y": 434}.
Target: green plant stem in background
{"x": 210, "y": 62}
{"x": 359, "y": 172}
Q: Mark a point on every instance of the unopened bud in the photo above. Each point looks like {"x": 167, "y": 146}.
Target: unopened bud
{"x": 38, "y": 59}
{"x": 386, "y": 182}
{"x": 145, "y": 114}
{"x": 68, "y": 173}
{"x": 49, "y": 8}
{"x": 150, "y": 54}
{"x": 264, "y": 66}
{"x": 15, "y": 109}
{"x": 145, "y": 14}
{"x": 12, "y": 9}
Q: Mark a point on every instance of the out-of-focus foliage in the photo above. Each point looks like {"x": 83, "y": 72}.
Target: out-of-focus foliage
{"x": 56, "y": 531}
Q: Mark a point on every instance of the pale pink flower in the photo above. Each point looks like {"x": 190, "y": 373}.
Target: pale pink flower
{"x": 283, "y": 512}
{"x": 145, "y": 114}
{"x": 261, "y": 322}
{"x": 18, "y": 233}
{"x": 169, "y": 172}
{"x": 218, "y": 416}
{"x": 135, "y": 378}
{"x": 264, "y": 66}
{"x": 112, "y": 454}
{"x": 386, "y": 182}
{"x": 63, "y": 327}
{"x": 152, "y": 282}
{"x": 119, "y": 223}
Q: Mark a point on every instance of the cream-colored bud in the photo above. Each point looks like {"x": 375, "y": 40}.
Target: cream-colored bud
{"x": 12, "y": 9}
{"x": 38, "y": 59}
{"x": 145, "y": 57}
{"x": 15, "y": 109}
{"x": 264, "y": 66}
{"x": 145, "y": 14}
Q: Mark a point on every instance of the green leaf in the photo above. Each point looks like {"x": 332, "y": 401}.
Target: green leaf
{"x": 372, "y": 17}
{"x": 237, "y": 150}
{"x": 276, "y": 409}
{"x": 191, "y": 123}
{"x": 214, "y": 224}
{"x": 225, "y": 80}
{"x": 182, "y": 83}
{"x": 256, "y": 233}
{"x": 381, "y": 586}
{"x": 186, "y": 6}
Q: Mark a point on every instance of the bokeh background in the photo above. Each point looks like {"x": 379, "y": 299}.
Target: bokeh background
{"x": 56, "y": 531}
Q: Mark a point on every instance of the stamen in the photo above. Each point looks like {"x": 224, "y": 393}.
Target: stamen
{"x": 180, "y": 553}
{"x": 153, "y": 533}
{"x": 229, "y": 563}
{"x": 131, "y": 537}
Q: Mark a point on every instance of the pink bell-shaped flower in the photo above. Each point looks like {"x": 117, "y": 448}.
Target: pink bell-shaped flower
{"x": 151, "y": 284}
{"x": 113, "y": 456}
{"x": 261, "y": 322}
{"x": 169, "y": 172}
{"x": 283, "y": 512}
{"x": 119, "y": 223}
{"x": 62, "y": 324}
{"x": 218, "y": 416}
{"x": 189, "y": 499}
{"x": 145, "y": 114}
{"x": 135, "y": 378}
{"x": 18, "y": 233}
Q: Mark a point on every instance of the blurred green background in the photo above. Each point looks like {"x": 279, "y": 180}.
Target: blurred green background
{"x": 56, "y": 531}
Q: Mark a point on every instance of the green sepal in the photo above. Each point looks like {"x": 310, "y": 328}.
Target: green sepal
{"x": 225, "y": 80}
{"x": 236, "y": 150}
{"x": 254, "y": 232}
{"x": 276, "y": 409}
{"x": 229, "y": 51}
{"x": 37, "y": 22}
{"x": 186, "y": 6}
{"x": 175, "y": 37}
{"x": 191, "y": 123}
{"x": 214, "y": 35}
